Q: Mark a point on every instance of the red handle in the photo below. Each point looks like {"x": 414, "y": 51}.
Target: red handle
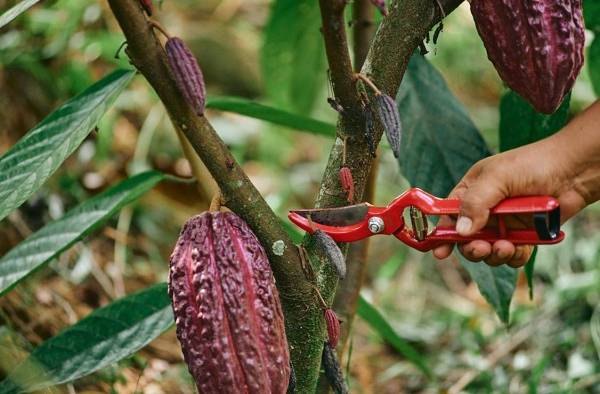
{"x": 431, "y": 205}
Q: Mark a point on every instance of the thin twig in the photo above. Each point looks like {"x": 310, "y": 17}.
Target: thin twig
{"x": 369, "y": 83}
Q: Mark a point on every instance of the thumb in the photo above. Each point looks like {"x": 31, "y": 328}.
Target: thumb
{"x": 476, "y": 200}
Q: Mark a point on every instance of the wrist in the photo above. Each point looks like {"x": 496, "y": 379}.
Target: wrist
{"x": 577, "y": 149}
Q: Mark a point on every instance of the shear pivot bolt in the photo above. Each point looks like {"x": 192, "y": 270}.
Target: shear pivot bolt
{"x": 376, "y": 225}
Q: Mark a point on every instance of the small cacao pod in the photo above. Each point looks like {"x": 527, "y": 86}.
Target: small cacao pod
{"x": 147, "y": 6}
{"x": 227, "y": 311}
{"x": 188, "y": 75}
{"x": 370, "y": 130}
{"x": 333, "y": 327}
{"x": 535, "y": 45}
{"x": 327, "y": 246}
{"x": 333, "y": 371}
{"x": 390, "y": 118}
{"x": 347, "y": 182}
{"x": 380, "y": 4}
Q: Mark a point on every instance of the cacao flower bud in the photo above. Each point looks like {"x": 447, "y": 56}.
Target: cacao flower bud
{"x": 187, "y": 73}
{"x": 226, "y": 307}
{"x": 333, "y": 371}
{"x": 390, "y": 118}
{"x": 347, "y": 182}
{"x": 380, "y": 4}
{"x": 333, "y": 327}
{"x": 327, "y": 246}
{"x": 147, "y": 6}
{"x": 370, "y": 130}
{"x": 535, "y": 45}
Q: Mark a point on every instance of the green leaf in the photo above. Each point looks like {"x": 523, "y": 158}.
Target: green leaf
{"x": 440, "y": 142}
{"x": 277, "y": 116}
{"x": 594, "y": 63}
{"x": 32, "y": 160}
{"x": 496, "y": 284}
{"x": 105, "y": 336}
{"x": 591, "y": 13}
{"x": 380, "y": 325}
{"x": 15, "y": 11}
{"x": 529, "y": 271}
{"x": 520, "y": 124}
{"x": 55, "y": 237}
{"x": 292, "y": 56}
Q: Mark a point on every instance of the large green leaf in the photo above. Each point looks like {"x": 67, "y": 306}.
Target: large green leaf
{"x": 593, "y": 60}
{"x": 520, "y": 124}
{"x": 440, "y": 144}
{"x": 105, "y": 336}
{"x": 270, "y": 114}
{"x": 15, "y": 11}
{"x": 292, "y": 57}
{"x": 380, "y": 325}
{"x": 55, "y": 237}
{"x": 496, "y": 284}
{"x": 32, "y": 160}
{"x": 591, "y": 12}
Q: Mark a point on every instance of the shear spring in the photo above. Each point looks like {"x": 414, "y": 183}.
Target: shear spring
{"x": 419, "y": 223}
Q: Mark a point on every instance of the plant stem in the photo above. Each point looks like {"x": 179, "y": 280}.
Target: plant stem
{"x": 385, "y": 64}
{"x": 240, "y": 195}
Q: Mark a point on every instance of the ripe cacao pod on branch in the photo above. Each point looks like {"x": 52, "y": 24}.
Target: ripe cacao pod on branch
{"x": 535, "y": 45}
{"x": 227, "y": 311}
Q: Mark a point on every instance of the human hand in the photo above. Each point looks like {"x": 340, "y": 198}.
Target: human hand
{"x": 565, "y": 166}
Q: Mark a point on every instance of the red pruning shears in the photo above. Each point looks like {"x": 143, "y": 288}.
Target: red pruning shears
{"x": 356, "y": 222}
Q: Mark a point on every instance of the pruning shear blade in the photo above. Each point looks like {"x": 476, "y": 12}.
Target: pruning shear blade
{"x": 344, "y": 216}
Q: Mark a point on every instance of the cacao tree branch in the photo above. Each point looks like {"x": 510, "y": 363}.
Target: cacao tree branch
{"x": 338, "y": 55}
{"x": 363, "y": 29}
{"x": 395, "y": 41}
{"x": 147, "y": 54}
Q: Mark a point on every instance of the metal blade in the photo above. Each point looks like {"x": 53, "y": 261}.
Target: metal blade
{"x": 343, "y": 216}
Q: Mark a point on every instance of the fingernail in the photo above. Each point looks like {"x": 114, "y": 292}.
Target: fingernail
{"x": 463, "y": 225}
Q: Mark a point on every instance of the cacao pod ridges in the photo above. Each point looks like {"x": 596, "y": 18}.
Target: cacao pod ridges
{"x": 187, "y": 73}
{"x": 535, "y": 45}
{"x": 390, "y": 118}
{"x": 333, "y": 327}
{"x": 226, "y": 307}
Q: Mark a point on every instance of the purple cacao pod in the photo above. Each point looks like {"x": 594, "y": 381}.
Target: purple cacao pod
{"x": 329, "y": 248}
{"x": 333, "y": 371}
{"x": 347, "y": 182}
{"x": 390, "y": 118}
{"x": 333, "y": 327}
{"x": 226, "y": 306}
{"x": 535, "y": 45}
{"x": 187, "y": 73}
